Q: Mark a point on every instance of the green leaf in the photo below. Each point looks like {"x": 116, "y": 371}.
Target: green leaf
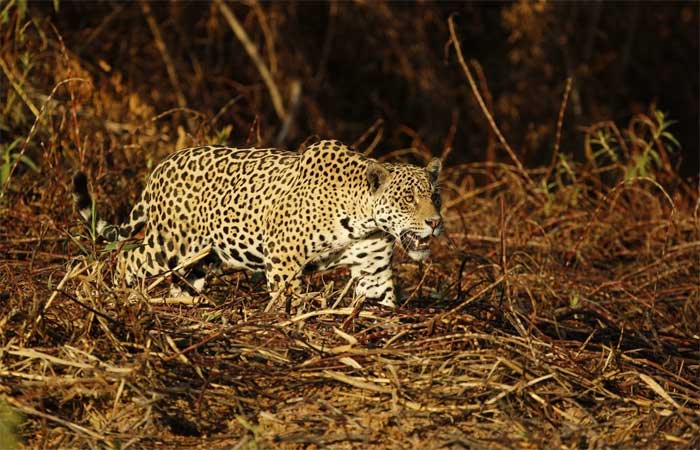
{"x": 93, "y": 220}
{"x": 657, "y": 159}
{"x": 10, "y": 420}
{"x": 110, "y": 247}
{"x": 29, "y": 163}
{"x": 4, "y": 173}
{"x": 80, "y": 246}
{"x": 117, "y": 244}
{"x": 21, "y": 9}
{"x": 669, "y": 137}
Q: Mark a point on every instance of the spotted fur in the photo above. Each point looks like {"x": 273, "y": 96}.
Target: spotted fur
{"x": 279, "y": 212}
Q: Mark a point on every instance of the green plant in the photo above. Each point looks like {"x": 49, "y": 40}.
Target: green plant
{"x": 640, "y": 150}
{"x": 564, "y": 181}
{"x": 9, "y": 421}
{"x": 607, "y": 143}
{"x": 21, "y": 7}
{"x": 653, "y": 147}
{"x": 8, "y": 158}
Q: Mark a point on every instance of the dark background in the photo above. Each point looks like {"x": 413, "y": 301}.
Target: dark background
{"x": 362, "y": 61}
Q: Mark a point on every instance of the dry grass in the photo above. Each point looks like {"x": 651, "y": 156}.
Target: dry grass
{"x": 561, "y": 310}
{"x": 583, "y": 334}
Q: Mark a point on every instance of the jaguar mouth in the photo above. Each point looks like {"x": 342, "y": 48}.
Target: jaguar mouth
{"x": 414, "y": 243}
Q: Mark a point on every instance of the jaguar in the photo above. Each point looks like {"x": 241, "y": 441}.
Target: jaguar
{"x": 276, "y": 211}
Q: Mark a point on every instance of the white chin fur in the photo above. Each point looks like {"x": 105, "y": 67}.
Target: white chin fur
{"x": 418, "y": 255}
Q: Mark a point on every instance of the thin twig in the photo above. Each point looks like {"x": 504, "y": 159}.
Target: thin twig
{"x": 183, "y": 263}
{"x": 18, "y": 88}
{"x": 167, "y": 112}
{"x": 73, "y": 106}
{"x": 491, "y": 146}
{"x": 74, "y": 272}
{"x": 464, "y": 303}
{"x": 268, "y": 34}
{"x": 377, "y": 123}
{"x": 70, "y": 425}
{"x": 447, "y": 144}
{"x": 249, "y": 47}
{"x": 294, "y": 103}
{"x": 224, "y": 109}
{"x": 560, "y": 122}
{"x": 480, "y": 100}
{"x": 74, "y": 299}
{"x": 33, "y": 129}
{"x": 163, "y": 50}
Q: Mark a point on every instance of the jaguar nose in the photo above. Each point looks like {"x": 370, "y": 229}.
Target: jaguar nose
{"x": 434, "y": 223}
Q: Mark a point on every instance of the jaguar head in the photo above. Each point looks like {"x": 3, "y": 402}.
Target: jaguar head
{"x": 407, "y": 203}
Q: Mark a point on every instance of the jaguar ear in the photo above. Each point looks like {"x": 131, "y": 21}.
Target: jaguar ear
{"x": 377, "y": 175}
{"x": 433, "y": 169}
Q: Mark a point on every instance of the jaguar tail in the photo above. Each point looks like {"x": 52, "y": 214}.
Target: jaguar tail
{"x": 85, "y": 205}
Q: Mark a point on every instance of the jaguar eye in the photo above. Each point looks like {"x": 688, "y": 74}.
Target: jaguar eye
{"x": 409, "y": 198}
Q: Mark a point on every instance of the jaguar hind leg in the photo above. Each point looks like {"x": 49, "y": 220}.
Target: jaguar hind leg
{"x": 141, "y": 262}
{"x": 196, "y": 278}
